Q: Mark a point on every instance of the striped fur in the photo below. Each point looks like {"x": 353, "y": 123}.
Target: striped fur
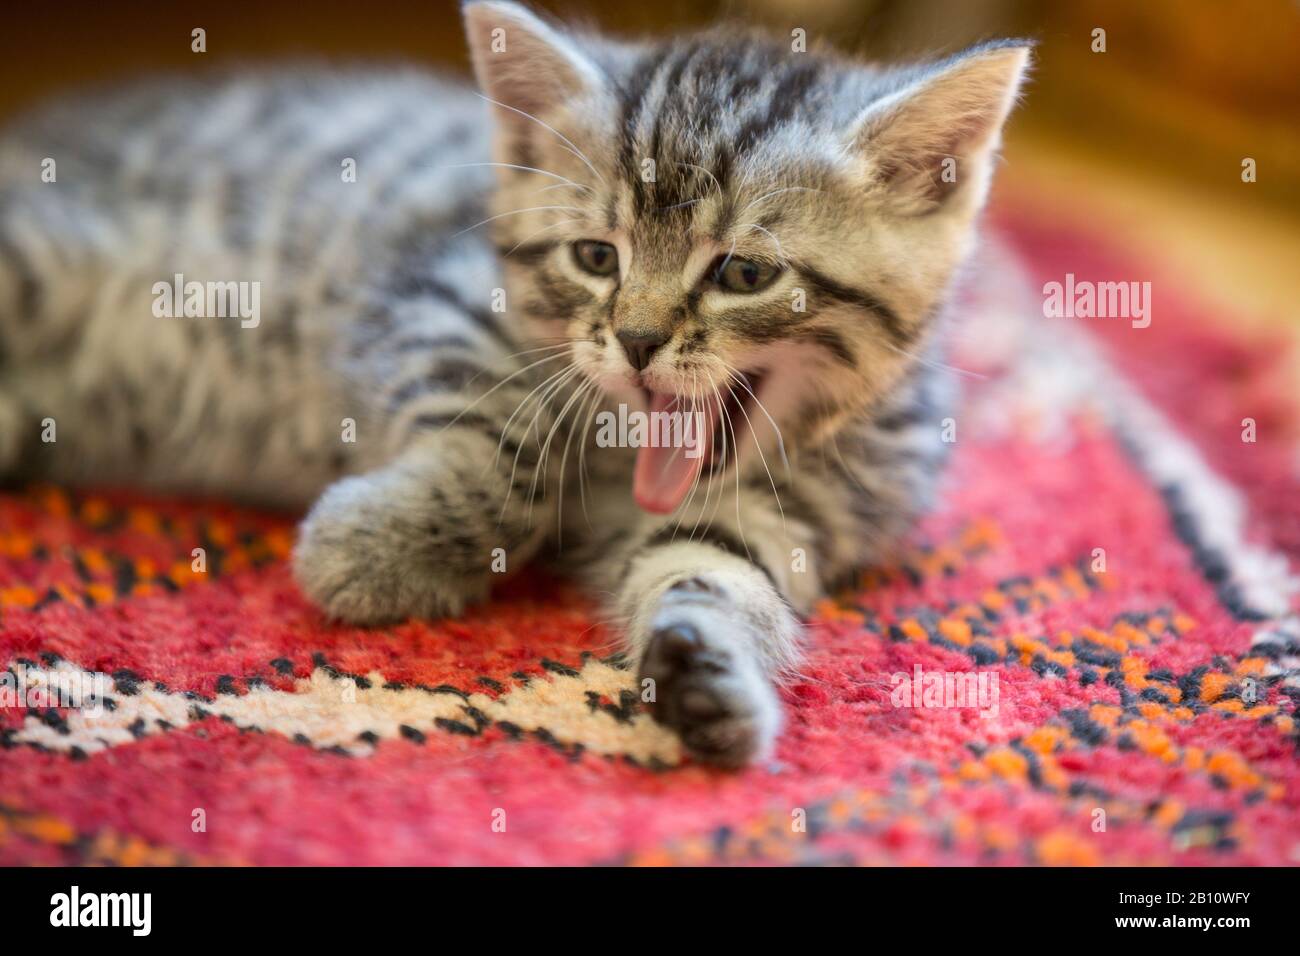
{"x": 443, "y": 437}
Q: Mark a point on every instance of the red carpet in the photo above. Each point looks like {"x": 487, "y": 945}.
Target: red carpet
{"x": 1145, "y": 713}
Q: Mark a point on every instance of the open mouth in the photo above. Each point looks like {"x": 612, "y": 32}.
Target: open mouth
{"x": 691, "y": 436}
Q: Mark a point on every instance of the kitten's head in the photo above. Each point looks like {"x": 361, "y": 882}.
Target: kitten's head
{"x": 726, "y": 215}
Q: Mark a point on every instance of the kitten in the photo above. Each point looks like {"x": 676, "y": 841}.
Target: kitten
{"x": 716, "y": 225}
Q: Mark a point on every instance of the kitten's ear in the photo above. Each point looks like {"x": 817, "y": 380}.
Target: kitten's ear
{"x": 935, "y": 138}
{"x": 522, "y": 62}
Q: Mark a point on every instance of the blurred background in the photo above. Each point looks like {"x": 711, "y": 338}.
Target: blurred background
{"x": 1147, "y": 138}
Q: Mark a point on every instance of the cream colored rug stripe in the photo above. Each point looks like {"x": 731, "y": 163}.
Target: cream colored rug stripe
{"x": 332, "y": 711}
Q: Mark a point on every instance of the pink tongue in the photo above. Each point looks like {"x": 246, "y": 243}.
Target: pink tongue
{"x": 664, "y": 476}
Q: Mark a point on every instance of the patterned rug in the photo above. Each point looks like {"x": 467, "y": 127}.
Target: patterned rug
{"x": 1087, "y": 655}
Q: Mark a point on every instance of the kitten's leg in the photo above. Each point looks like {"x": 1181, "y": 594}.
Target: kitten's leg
{"x": 712, "y": 635}
{"x": 426, "y": 534}
{"x": 715, "y": 629}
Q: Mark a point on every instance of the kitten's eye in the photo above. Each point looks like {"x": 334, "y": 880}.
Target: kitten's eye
{"x": 598, "y": 258}
{"x": 742, "y": 275}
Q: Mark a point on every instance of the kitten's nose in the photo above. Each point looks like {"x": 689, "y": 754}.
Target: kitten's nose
{"x": 639, "y": 346}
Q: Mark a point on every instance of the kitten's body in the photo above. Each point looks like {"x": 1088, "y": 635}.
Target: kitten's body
{"x": 376, "y": 309}
{"x": 237, "y": 178}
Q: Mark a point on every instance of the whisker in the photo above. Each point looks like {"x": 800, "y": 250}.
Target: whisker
{"x": 780, "y": 439}
{"x": 716, "y": 185}
{"x": 544, "y": 457}
{"x": 684, "y": 509}
{"x": 929, "y": 363}
{"x": 777, "y": 192}
{"x": 559, "y": 344}
{"x": 730, "y": 252}
{"x": 559, "y": 380}
{"x": 468, "y": 408}
{"x": 547, "y": 189}
{"x": 710, "y": 390}
{"x": 534, "y": 235}
{"x": 706, "y": 515}
{"x": 780, "y": 253}
{"x": 513, "y": 212}
{"x": 528, "y": 169}
{"x": 592, "y": 405}
{"x": 726, "y": 450}
{"x": 740, "y": 525}
{"x": 505, "y": 429}
{"x": 564, "y": 139}
{"x": 577, "y": 396}
{"x": 762, "y": 457}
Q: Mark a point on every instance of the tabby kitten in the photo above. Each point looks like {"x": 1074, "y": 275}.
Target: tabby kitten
{"x": 716, "y": 224}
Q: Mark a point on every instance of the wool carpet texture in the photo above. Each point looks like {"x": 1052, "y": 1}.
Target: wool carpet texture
{"x": 1108, "y": 553}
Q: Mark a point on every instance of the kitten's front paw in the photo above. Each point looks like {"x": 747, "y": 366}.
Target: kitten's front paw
{"x": 367, "y": 554}
{"x": 708, "y": 689}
